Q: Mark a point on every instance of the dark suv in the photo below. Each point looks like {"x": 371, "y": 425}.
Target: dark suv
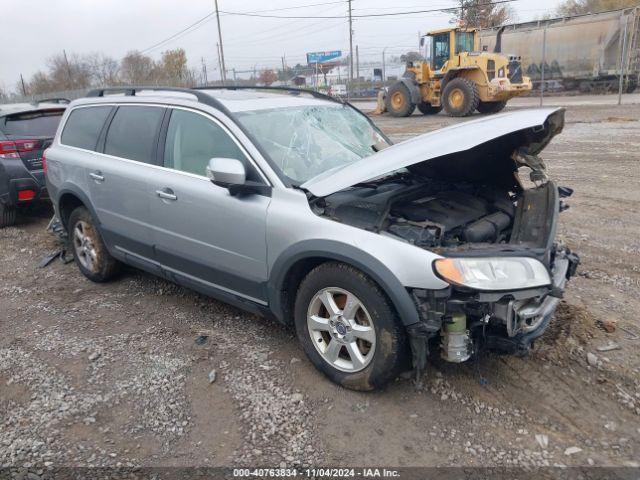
{"x": 26, "y": 130}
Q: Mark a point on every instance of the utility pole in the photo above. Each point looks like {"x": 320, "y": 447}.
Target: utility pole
{"x": 223, "y": 68}
{"x": 284, "y": 72}
{"x": 350, "y": 45}
{"x": 219, "y": 63}
{"x": 384, "y": 73}
{"x": 357, "y": 64}
{"x": 24, "y": 90}
{"x": 204, "y": 72}
{"x": 66, "y": 61}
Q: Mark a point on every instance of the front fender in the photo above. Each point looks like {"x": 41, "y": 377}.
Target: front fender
{"x": 337, "y": 251}
{"x": 412, "y": 86}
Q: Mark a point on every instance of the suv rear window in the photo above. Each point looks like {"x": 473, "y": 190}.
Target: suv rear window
{"x": 83, "y": 127}
{"x": 132, "y": 133}
{"x": 31, "y": 124}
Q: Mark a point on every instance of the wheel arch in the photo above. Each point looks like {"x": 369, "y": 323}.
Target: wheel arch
{"x": 461, "y": 72}
{"x": 69, "y": 198}
{"x": 297, "y": 261}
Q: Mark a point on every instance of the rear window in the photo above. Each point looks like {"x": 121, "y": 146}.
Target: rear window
{"x": 31, "y": 124}
{"x": 83, "y": 127}
{"x": 132, "y": 133}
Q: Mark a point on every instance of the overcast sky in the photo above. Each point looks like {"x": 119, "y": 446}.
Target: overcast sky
{"x": 33, "y": 30}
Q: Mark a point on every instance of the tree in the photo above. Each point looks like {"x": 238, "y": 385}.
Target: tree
{"x": 67, "y": 72}
{"x": 267, "y": 76}
{"x": 104, "y": 69}
{"x": 481, "y": 14}
{"x": 173, "y": 66}
{"x": 578, "y": 7}
{"x": 137, "y": 69}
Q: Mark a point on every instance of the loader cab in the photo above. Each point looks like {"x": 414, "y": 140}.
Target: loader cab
{"x": 440, "y": 46}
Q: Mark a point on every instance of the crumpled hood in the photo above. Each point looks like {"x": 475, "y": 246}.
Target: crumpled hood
{"x": 489, "y": 150}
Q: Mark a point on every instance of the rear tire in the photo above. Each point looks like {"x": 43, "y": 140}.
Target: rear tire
{"x": 491, "y": 107}
{"x": 398, "y": 101}
{"x": 89, "y": 250}
{"x": 7, "y": 216}
{"x": 460, "y": 97}
{"x": 428, "y": 109}
{"x": 331, "y": 335}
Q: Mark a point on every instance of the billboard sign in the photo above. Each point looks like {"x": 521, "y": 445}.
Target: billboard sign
{"x": 321, "y": 57}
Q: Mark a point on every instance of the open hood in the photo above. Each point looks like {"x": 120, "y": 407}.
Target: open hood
{"x": 486, "y": 150}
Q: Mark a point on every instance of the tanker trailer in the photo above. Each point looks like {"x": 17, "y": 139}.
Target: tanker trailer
{"x": 581, "y": 52}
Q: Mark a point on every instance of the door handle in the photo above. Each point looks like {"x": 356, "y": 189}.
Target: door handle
{"x": 167, "y": 194}
{"x": 97, "y": 176}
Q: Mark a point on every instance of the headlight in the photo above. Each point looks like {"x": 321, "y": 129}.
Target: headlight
{"x": 493, "y": 273}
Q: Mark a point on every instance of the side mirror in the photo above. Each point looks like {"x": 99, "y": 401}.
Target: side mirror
{"x": 226, "y": 172}
{"x": 231, "y": 174}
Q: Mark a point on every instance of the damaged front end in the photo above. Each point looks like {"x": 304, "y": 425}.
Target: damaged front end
{"x": 459, "y": 321}
{"x": 457, "y": 192}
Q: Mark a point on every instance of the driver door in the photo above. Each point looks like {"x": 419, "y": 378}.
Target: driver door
{"x": 205, "y": 237}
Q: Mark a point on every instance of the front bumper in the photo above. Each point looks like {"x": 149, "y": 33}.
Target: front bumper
{"x": 524, "y": 320}
{"x": 505, "y": 321}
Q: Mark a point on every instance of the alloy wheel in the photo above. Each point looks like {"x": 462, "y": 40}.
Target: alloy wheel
{"x": 341, "y": 329}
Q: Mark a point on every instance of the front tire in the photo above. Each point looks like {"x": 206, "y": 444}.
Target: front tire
{"x": 398, "y": 101}
{"x": 7, "y": 216}
{"x": 491, "y": 107}
{"x": 348, "y": 327}
{"x": 89, "y": 250}
{"x": 460, "y": 97}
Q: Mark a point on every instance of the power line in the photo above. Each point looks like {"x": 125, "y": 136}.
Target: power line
{"x": 199, "y": 23}
{"x": 390, "y": 14}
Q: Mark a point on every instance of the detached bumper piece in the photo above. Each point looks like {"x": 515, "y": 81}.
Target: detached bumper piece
{"x": 456, "y": 322}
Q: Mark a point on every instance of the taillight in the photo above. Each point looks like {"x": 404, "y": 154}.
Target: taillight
{"x": 13, "y": 148}
{"x": 44, "y": 161}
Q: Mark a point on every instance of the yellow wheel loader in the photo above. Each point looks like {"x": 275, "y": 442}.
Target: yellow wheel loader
{"x": 457, "y": 77}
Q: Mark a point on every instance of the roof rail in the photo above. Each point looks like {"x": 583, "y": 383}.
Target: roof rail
{"x": 296, "y": 91}
{"x": 51, "y": 100}
{"x": 131, "y": 91}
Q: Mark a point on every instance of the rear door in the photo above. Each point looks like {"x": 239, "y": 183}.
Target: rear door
{"x": 204, "y": 236}
{"x": 119, "y": 180}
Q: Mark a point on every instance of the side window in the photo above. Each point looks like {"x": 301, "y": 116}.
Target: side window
{"x": 83, "y": 127}
{"x": 192, "y": 140}
{"x": 132, "y": 133}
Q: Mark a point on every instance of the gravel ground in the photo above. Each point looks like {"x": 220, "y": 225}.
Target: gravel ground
{"x": 120, "y": 374}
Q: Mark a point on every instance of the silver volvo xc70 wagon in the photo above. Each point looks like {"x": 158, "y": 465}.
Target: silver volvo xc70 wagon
{"x": 296, "y": 206}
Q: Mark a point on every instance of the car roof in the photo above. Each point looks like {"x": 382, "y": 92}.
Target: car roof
{"x": 11, "y": 108}
{"x": 232, "y": 99}
{"x": 245, "y": 99}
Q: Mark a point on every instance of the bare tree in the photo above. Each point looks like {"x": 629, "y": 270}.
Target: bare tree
{"x": 68, "y": 72}
{"x": 40, "y": 83}
{"x": 104, "y": 69}
{"x": 577, "y": 7}
{"x": 483, "y": 14}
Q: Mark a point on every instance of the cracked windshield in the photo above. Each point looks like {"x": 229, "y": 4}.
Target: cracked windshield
{"x": 306, "y": 141}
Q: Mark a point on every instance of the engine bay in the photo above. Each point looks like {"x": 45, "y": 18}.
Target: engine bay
{"x": 426, "y": 212}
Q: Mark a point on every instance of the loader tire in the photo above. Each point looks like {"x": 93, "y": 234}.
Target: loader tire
{"x": 460, "y": 97}
{"x": 491, "y": 107}
{"x": 428, "y": 109}
{"x": 398, "y": 101}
